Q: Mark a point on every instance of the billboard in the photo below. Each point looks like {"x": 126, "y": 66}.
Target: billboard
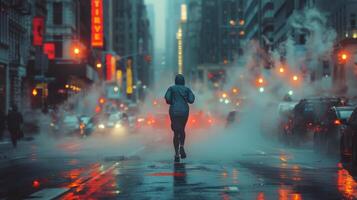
{"x": 97, "y": 23}
{"x": 111, "y": 66}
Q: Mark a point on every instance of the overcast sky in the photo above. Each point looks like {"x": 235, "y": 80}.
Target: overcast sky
{"x": 160, "y": 16}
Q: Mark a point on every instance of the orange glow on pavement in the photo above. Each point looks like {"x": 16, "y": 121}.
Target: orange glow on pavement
{"x": 346, "y": 184}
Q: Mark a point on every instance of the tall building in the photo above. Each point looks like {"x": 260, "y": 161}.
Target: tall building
{"x": 128, "y": 36}
{"x": 68, "y": 28}
{"x": 259, "y": 22}
{"x": 14, "y": 44}
{"x": 173, "y": 18}
{"x": 212, "y": 36}
{"x": 343, "y": 18}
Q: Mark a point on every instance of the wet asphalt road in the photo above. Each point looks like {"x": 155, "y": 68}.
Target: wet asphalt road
{"x": 100, "y": 168}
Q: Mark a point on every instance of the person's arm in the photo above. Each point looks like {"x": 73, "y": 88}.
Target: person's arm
{"x": 168, "y": 96}
{"x": 191, "y": 96}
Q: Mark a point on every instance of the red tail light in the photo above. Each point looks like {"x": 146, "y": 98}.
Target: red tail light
{"x": 36, "y": 184}
{"x": 337, "y": 122}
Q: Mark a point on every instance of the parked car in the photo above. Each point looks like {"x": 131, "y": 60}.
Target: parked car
{"x": 285, "y": 113}
{"x": 348, "y": 140}
{"x": 328, "y": 131}
{"x": 308, "y": 113}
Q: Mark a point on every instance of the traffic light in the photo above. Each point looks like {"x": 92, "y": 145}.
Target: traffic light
{"x": 102, "y": 100}
{"x": 343, "y": 57}
{"x": 76, "y": 51}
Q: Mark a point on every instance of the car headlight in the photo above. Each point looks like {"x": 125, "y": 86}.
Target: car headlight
{"x": 101, "y": 126}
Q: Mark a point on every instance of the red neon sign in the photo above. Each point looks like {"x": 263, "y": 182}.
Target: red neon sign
{"x": 49, "y": 49}
{"x": 97, "y": 23}
{"x": 108, "y": 59}
{"x": 37, "y": 30}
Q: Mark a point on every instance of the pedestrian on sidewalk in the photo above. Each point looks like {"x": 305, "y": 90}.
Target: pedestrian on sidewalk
{"x": 14, "y": 124}
{"x": 178, "y": 97}
{"x": 2, "y": 124}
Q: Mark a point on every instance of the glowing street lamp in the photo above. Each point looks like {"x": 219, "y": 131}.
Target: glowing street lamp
{"x": 224, "y": 95}
{"x": 344, "y": 56}
{"x": 34, "y": 92}
{"x": 281, "y": 70}
{"x": 260, "y": 80}
{"x": 99, "y": 65}
{"x": 76, "y": 51}
{"x": 295, "y": 78}
{"x": 261, "y": 89}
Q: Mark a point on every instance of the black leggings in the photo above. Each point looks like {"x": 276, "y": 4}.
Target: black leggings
{"x": 178, "y": 124}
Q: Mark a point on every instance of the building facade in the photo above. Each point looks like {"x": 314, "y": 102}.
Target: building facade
{"x": 128, "y": 36}
{"x": 68, "y": 29}
{"x": 14, "y": 50}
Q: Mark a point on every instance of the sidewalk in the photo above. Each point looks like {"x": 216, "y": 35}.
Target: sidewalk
{"x": 8, "y": 152}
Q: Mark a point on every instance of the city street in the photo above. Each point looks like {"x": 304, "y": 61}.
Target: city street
{"x": 178, "y": 99}
{"x": 103, "y": 168}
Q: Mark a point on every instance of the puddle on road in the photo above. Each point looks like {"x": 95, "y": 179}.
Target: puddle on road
{"x": 346, "y": 183}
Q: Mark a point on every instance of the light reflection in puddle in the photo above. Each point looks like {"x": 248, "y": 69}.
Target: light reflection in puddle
{"x": 287, "y": 194}
{"x": 346, "y": 184}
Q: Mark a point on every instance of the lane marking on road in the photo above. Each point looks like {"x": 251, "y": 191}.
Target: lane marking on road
{"x": 133, "y": 153}
{"x": 47, "y": 194}
{"x": 54, "y": 193}
{"x": 4, "y": 142}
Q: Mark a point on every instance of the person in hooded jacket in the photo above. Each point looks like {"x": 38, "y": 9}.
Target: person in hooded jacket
{"x": 178, "y": 97}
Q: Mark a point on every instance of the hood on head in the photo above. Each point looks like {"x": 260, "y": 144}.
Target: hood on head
{"x": 179, "y": 79}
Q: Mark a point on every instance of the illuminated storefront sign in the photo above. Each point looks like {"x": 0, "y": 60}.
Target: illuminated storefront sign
{"x": 49, "y": 49}
{"x": 129, "y": 77}
{"x": 97, "y": 23}
{"x": 37, "y": 31}
{"x": 111, "y": 67}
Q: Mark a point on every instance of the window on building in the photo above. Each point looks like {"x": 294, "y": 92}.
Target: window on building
{"x": 57, "y": 13}
{"x": 4, "y": 28}
{"x": 58, "y": 46}
{"x": 353, "y": 20}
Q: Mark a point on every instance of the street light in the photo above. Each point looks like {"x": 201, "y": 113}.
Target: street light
{"x": 34, "y": 92}
{"x": 99, "y": 65}
{"x": 76, "y": 51}
{"x": 261, "y": 89}
{"x": 281, "y": 70}
{"x": 342, "y": 57}
{"x": 295, "y": 78}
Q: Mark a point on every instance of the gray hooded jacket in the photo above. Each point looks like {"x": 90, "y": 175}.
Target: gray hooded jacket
{"x": 178, "y": 97}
